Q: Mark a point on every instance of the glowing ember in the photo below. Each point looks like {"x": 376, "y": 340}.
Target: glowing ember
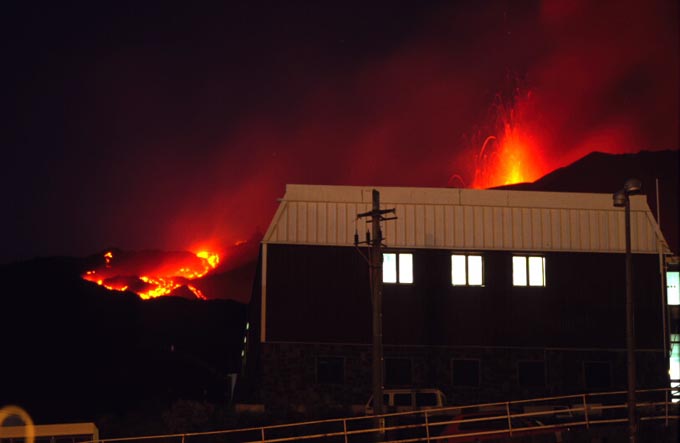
{"x": 154, "y": 275}
{"x": 513, "y": 155}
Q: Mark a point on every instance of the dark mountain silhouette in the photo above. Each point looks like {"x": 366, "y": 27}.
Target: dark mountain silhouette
{"x": 236, "y": 284}
{"x": 75, "y": 351}
{"x": 606, "y": 173}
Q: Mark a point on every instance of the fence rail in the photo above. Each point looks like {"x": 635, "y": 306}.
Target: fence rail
{"x": 450, "y": 424}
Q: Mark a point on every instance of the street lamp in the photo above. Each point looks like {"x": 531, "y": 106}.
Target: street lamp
{"x": 622, "y": 199}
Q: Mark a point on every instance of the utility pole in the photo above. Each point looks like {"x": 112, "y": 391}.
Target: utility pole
{"x": 375, "y": 264}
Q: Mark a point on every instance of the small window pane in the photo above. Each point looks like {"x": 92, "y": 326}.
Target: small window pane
{"x": 519, "y": 271}
{"x": 673, "y": 287}
{"x": 389, "y": 268}
{"x": 458, "y": 270}
{"x": 405, "y": 268}
{"x": 536, "y": 271}
{"x": 475, "y": 270}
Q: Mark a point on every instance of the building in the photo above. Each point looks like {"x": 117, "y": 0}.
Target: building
{"x": 489, "y": 295}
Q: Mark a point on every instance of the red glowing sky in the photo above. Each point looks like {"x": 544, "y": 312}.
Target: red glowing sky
{"x": 146, "y": 127}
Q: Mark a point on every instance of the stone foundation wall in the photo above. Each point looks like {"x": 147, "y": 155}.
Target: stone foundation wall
{"x": 288, "y": 373}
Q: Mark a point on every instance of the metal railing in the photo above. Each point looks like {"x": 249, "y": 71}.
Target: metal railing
{"x": 540, "y": 415}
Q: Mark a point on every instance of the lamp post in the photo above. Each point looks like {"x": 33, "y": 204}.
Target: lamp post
{"x": 622, "y": 199}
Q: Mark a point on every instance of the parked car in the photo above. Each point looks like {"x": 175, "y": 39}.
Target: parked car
{"x": 494, "y": 427}
{"x": 406, "y": 400}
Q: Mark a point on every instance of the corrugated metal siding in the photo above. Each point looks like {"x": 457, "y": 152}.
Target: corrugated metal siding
{"x": 466, "y": 219}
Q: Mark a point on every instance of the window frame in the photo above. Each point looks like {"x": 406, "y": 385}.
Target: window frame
{"x": 398, "y": 270}
{"x": 527, "y": 271}
{"x": 467, "y": 256}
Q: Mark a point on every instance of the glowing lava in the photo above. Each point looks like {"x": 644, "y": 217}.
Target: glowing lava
{"x": 152, "y": 275}
{"x": 513, "y": 155}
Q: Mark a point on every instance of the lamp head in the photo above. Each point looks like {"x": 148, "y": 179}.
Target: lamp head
{"x": 620, "y": 198}
{"x": 632, "y": 186}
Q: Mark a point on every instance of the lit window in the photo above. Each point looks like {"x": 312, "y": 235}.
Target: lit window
{"x": 405, "y": 268}
{"x": 528, "y": 270}
{"x": 466, "y": 270}
{"x": 397, "y": 268}
{"x": 673, "y": 287}
{"x": 389, "y": 268}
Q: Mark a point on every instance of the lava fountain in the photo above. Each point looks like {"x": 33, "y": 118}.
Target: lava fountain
{"x": 512, "y": 154}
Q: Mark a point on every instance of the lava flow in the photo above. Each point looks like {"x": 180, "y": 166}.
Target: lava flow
{"x": 153, "y": 274}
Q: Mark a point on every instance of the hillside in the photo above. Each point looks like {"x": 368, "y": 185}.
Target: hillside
{"x": 78, "y": 351}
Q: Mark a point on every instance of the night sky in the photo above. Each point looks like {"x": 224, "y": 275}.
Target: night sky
{"x": 148, "y": 125}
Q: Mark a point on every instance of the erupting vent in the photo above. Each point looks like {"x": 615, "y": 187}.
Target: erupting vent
{"x": 513, "y": 154}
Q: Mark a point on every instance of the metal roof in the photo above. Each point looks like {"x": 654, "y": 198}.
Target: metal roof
{"x": 466, "y": 219}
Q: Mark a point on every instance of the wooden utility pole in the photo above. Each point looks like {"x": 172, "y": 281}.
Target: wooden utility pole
{"x": 376, "y": 275}
{"x": 376, "y": 300}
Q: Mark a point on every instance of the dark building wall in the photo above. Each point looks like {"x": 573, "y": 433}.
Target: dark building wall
{"x": 322, "y": 294}
{"x": 317, "y": 294}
